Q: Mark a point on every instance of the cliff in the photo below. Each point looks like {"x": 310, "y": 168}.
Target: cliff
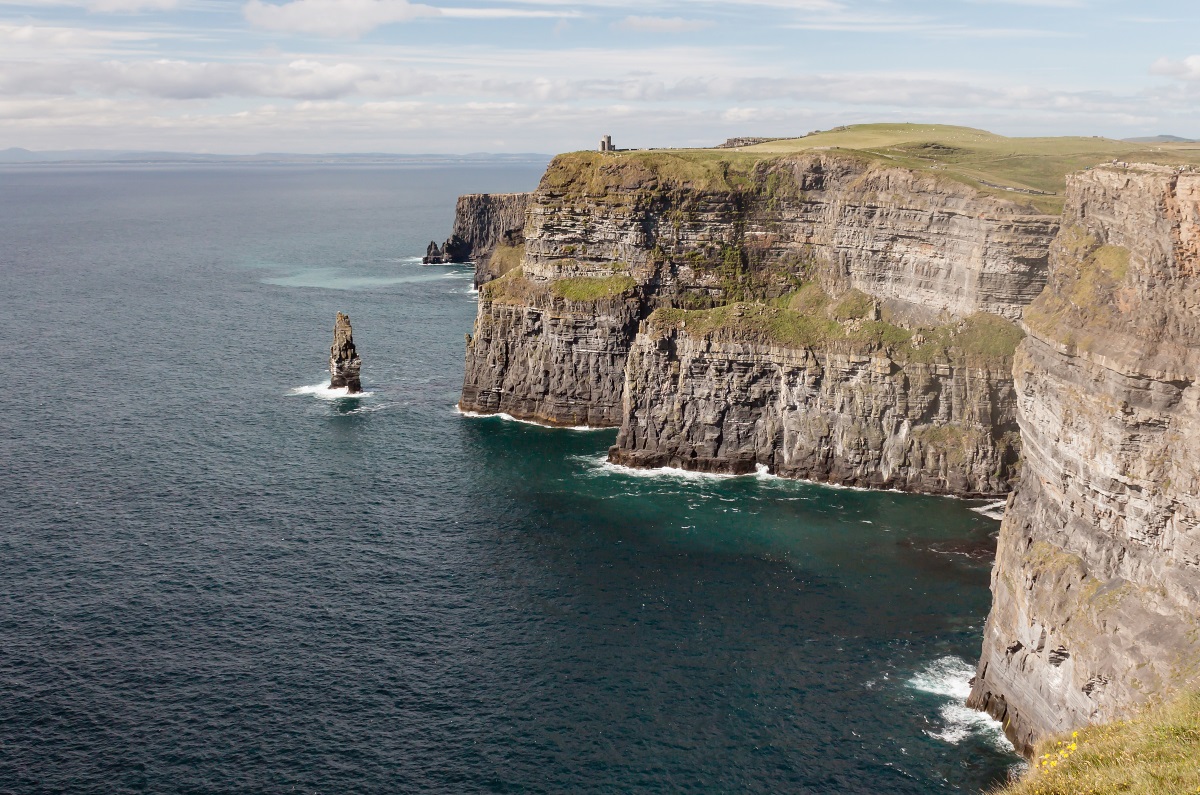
{"x": 859, "y": 402}
{"x": 1096, "y": 588}
{"x": 483, "y": 222}
{"x": 610, "y": 239}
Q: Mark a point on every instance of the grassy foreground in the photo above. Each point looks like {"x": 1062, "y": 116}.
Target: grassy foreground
{"x": 1156, "y": 753}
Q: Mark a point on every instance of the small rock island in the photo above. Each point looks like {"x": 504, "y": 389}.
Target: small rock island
{"x": 344, "y": 362}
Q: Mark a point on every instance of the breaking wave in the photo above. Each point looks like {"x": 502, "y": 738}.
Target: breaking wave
{"x": 950, "y": 678}
{"x": 511, "y": 418}
{"x": 324, "y": 392}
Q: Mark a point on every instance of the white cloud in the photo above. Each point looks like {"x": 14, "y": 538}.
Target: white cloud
{"x": 42, "y": 37}
{"x": 505, "y": 13}
{"x": 347, "y": 18}
{"x": 662, "y": 24}
{"x": 1186, "y": 69}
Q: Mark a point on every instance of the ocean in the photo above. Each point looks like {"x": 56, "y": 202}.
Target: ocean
{"x": 217, "y": 577}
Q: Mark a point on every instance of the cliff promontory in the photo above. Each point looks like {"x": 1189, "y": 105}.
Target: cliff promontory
{"x": 483, "y": 222}
{"x": 1096, "y": 588}
{"x": 887, "y": 261}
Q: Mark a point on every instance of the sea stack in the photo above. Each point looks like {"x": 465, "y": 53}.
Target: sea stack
{"x": 344, "y": 363}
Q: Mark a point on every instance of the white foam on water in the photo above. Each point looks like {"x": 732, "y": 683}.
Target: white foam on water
{"x": 510, "y": 418}
{"x": 600, "y": 465}
{"x": 324, "y": 392}
{"x": 950, "y": 677}
{"x": 993, "y": 510}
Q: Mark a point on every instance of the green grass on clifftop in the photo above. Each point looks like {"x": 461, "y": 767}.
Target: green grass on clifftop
{"x": 1156, "y": 753}
{"x": 986, "y": 161}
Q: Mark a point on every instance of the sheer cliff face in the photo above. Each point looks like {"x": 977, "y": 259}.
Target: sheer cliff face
{"x": 484, "y": 222}
{"x": 540, "y": 356}
{"x": 851, "y": 411}
{"x": 926, "y": 244}
{"x": 1096, "y": 589}
{"x": 611, "y": 239}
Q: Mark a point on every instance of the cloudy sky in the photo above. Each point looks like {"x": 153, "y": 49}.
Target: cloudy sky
{"x": 553, "y": 75}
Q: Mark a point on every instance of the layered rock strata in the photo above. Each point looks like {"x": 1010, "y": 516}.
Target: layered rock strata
{"x": 344, "y": 362}
{"x": 1096, "y": 588}
{"x": 851, "y": 408}
{"x": 611, "y": 239}
{"x": 482, "y": 223}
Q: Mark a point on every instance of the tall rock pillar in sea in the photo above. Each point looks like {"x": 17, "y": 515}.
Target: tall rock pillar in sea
{"x": 1096, "y": 587}
{"x": 344, "y": 363}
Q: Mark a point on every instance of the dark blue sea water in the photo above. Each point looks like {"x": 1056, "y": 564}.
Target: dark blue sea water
{"x": 213, "y": 579}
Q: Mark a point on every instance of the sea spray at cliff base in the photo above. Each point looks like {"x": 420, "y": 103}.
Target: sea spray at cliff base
{"x": 950, "y": 677}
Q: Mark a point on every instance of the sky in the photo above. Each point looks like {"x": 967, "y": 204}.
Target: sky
{"x": 459, "y": 76}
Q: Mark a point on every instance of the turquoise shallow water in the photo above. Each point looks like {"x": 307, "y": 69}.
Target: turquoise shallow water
{"x": 216, "y": 579}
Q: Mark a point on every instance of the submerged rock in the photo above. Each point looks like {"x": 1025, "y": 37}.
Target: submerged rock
{"x": 344, "y": 363}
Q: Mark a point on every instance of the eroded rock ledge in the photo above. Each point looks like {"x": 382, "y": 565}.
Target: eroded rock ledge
{"x": 1096, "y": 589}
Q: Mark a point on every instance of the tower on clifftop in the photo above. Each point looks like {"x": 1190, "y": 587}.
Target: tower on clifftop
{"x": 606, "y": 144}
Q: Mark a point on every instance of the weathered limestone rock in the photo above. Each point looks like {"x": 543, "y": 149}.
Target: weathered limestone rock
{"x": 482, "y": 222}
{"x": 549, "y": 357}
{"x": 850, "y": 412}
{"x": 927, "y": 248}
{"x": 1096, "y": 588}
{"x": 344, "y": 363}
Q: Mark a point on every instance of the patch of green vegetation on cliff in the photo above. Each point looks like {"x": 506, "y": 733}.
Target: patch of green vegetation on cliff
{"x": 1045, "y": 558}
{"x": 952, "y": 440}
{"x": 1082, "y": 290}
{"x": 592, "y": 288}
{"x": 511, "y": 288}
{"x": 853, "y": 304}
{"x": 980, "y": 340}
{"x": 505, "y": 259}
{"x": 754, "y": 322}
{"x": 988, "y": 335}
{"x": 809, "y": 298}
{"x": 1155, "y": 753}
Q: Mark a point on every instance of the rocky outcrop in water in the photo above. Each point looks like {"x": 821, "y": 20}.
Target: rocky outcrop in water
{"x": 610, "y": 240}
{"x": 344, "y": 363}
{"x": 483, "y": 222}
{"x": 1096, "y": 588}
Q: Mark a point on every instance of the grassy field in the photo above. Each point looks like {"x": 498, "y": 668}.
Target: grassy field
{"x": 979, "y": 158}
{"x": 1156, "y": 753}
